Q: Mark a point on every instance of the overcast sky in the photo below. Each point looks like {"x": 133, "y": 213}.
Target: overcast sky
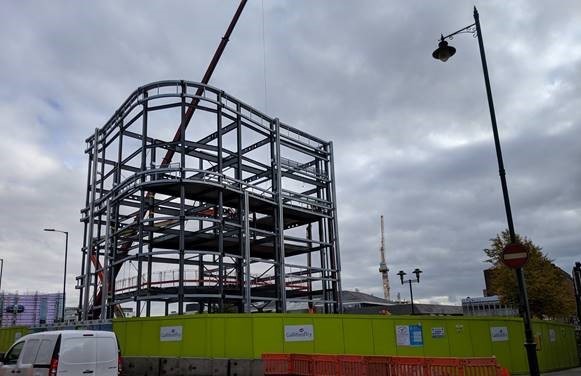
{"x": 412, "y": 135}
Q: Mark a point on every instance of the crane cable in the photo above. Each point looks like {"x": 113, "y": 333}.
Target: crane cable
{"x": 264, "y": 61}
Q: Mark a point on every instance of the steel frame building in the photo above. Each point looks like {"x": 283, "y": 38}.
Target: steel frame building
{"x": 242, "y": 219}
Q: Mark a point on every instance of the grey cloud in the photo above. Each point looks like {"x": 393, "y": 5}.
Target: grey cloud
{"x": 412, "y": 135}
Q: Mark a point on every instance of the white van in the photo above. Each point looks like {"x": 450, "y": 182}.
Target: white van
{"x": 63, "y": 352}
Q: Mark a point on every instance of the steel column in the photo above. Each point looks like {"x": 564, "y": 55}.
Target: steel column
{"x": 336, "y": 251}
{"x": 105, "y": 281}
{"x": 280, "y": 257}
{"x": 85, "y": 290}
{"x": 248, "y": 277}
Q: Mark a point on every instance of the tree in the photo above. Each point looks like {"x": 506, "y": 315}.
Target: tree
{"x": 550, "y": 289}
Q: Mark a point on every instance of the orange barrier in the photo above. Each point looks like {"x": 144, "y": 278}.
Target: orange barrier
{"x": 325, "y": 365}
{"x": 357, "y": 365}
{"x": 352, "y": 365}
{"x": 504, "y": 372}
{"x": 445, "y": 366}
{"x": 276, "y": 364}
{"x": 410, "y": 366}
{"x": 301, "y": 365}
{"x": 378, "y": 365}
{"x": 481, "y": 367}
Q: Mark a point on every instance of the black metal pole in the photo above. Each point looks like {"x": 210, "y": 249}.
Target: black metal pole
{"x": 411, "y": 296}
{"x": 1, "y": 296}
{"x": 1, "y": 270}
{"x": 530, "y": 344}
{"x": 577, "y": 283}
{"x": 65, "y": 274}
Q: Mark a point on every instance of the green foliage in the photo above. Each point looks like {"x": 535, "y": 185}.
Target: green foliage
{"x": 550, "y": 290}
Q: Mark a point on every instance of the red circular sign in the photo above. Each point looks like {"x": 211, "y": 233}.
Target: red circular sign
{"x": 515, "y": 256}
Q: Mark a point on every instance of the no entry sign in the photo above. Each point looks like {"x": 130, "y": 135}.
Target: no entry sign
{"x": 515, "y": 256}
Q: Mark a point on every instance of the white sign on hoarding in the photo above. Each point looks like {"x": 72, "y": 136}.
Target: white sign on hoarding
{"x": 552, "y": 335}
{"x": 170, "y": 333}
{"x": 402, "y": 335}
{"x": 298, "y": 333}
{"x": 438, "y": 333}
{"x": 499, "y": 333}
{"x": 409, "y": 335}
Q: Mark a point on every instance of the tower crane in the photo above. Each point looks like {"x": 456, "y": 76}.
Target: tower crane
{"x": 383, "y": 269}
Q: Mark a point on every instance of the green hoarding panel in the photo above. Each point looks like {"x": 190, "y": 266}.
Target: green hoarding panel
{"x": 132, "y": 340}
{"x": 541, "y": 333}
{"x": 358, "y": 336}
{"x": 195, "y": 341}
{"x": 238, "y": 337}
{"x": 500, "y": 334}
{"x": 149, "y": 341}
{"x": 9, "y": 335}
{"x": 268, "y": 335}
{"x": 120, "y": 330}
{"x": 479, "y": 338}
{"x": 516, "y": 345}
{"x": 216, "y": 335}
{"x": 383, "y": 336}
{"x": 460, "y": 334}
{"x": 436, "y": 338}
{"x": 329, "y": 337}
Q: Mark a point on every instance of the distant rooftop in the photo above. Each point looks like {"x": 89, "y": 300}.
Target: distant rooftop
{"x": 359, "y": 302}
{"x": 481, "y": 299}
{"x": 358, "y": 297}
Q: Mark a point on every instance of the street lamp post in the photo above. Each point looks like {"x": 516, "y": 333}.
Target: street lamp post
{"x": 1, "y": 270}
{"x": 417, "y": 272}
{"x": 65, "y": 271}
{"x": 443, "y": 53}
{"x": 577, "y": 284}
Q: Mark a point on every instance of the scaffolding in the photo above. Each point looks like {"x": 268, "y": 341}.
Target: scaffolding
{"x": 243, "y": 218}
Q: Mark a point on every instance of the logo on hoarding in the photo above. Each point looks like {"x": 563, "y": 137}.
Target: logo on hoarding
{"x": 298, "y": 333}
{"x": 170, "y": 333}
{"x": 499, "y": 334}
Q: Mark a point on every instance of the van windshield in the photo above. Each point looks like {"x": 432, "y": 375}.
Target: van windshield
{"x": 13, "y": 354}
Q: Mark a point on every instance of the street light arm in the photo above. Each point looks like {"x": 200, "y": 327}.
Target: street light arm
{"x": 65, "y": 268}
{"x": 54, "y": 230}
{"x": 470, "y": 29}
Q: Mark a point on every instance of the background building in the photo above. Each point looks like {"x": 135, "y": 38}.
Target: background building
{"x": 487, "y": 306}
{"x": 29, "y": 309}
{"x": 356, "y": 302}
